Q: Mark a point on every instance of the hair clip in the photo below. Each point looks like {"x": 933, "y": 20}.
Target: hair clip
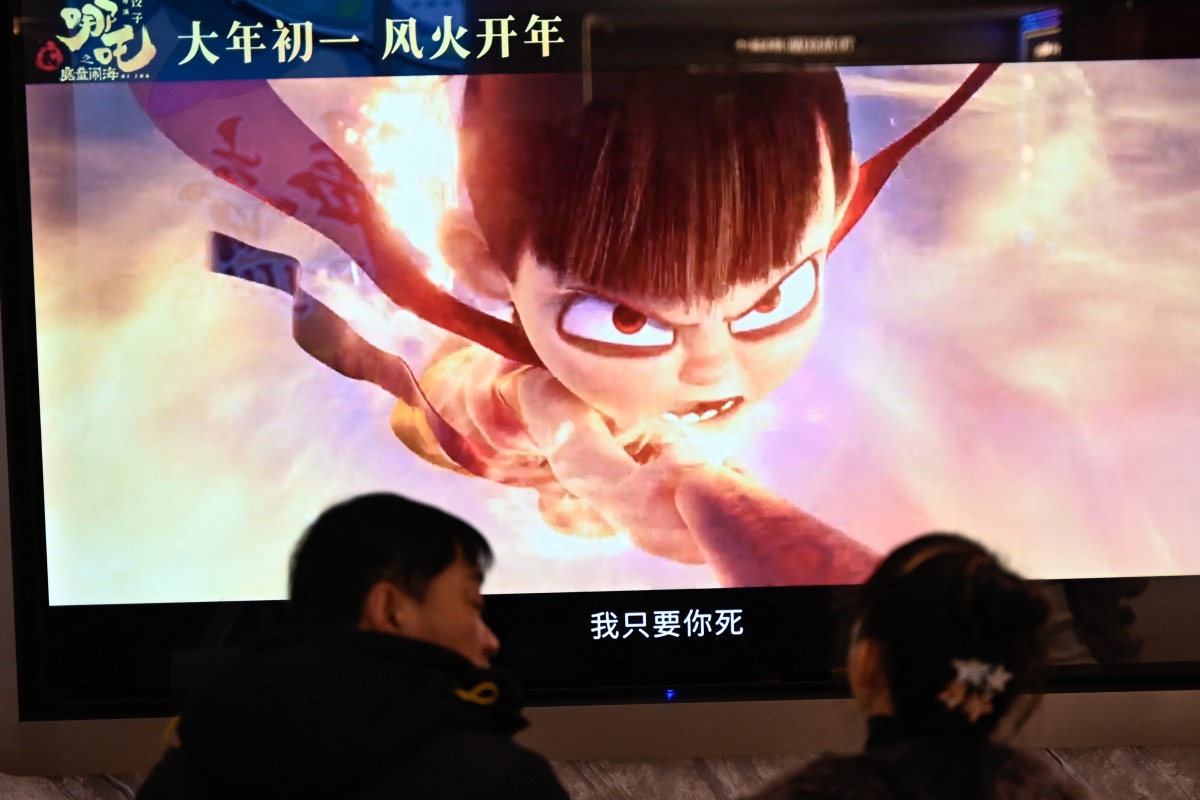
{"x": 973, "y": 687}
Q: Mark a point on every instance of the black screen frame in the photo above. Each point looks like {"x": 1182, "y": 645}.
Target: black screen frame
{"x": 123, "y": 661}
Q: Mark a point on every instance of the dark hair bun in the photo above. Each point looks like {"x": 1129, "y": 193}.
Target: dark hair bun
{"x": 958, "y": 633}
{"x": 1004, "y": 603}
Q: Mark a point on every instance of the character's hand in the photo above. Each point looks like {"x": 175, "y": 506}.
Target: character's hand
{"x": 592, "y": 465}
{"x": 752, "y": 537}
{"x": 644, "y": 505}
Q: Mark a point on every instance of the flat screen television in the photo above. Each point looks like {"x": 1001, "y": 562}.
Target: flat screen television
{"x": 241, "y": 287}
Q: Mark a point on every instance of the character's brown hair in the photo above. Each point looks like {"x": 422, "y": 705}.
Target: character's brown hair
{"x": 664, "y": 184}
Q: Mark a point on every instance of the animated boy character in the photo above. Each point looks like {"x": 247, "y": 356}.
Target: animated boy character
{"x": 661, "y": 238}
{"x": 662, "y": 246}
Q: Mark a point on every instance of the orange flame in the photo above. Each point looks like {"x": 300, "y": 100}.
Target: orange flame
{"x": 410, "y": 143}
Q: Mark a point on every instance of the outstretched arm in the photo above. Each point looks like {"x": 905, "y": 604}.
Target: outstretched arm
{"x": 752, "y": 537}
{"x": 686, "y": 511}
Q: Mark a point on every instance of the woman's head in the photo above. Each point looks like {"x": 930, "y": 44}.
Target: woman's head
{"x": 666, "y": 231}
{"x": 954, "y": 635}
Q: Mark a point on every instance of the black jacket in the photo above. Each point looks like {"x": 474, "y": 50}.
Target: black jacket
{"x": 899, "y": 765}
{"x": 354, "y": 715}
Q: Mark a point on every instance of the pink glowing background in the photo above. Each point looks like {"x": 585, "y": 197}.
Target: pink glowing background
{"x": 1010, "y": 346}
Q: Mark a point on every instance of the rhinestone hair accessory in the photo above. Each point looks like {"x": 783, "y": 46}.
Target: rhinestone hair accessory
{"x": 974, "y": 685}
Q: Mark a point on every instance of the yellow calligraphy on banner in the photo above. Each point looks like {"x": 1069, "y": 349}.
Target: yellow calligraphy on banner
{"x": 95, "y": 30}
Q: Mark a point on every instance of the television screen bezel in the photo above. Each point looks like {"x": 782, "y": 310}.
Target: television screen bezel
{"x": 43, "y": 695}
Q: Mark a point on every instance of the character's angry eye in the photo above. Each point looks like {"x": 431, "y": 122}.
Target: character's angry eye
{"x": 789, "y": 301}
{"x": 593, "y": 320}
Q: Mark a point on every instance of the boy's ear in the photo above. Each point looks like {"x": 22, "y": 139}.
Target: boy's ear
{"x": 463, "y": 246}
{"x": 851, "y": 186}
{"x": 386, "y": 609}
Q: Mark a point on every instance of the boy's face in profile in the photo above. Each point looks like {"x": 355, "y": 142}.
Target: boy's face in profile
{"x": 661, "y": 363}
{"x": 450, "y": 614}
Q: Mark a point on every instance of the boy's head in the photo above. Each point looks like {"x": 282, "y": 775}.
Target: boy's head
{"x": 385, "y": 563}
{"x": 666, "y": 232}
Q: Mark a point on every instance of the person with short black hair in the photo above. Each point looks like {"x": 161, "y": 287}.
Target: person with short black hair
{"x": 382, "y": 690}
{"x": 946, "y": 643}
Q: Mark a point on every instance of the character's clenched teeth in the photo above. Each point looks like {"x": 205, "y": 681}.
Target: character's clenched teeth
{"x": 703, "y": 411}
